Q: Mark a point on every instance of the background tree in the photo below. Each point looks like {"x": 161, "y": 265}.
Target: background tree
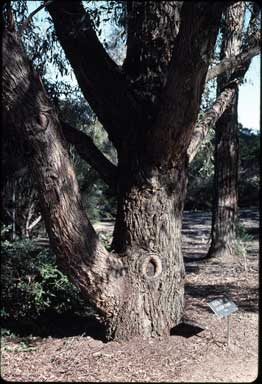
{"x": 225, "y": 205}
{"x": 138, "y": 287}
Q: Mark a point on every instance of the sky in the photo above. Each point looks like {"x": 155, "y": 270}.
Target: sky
{"x": 249, "y": 91}
{"x": 249, "y": 96}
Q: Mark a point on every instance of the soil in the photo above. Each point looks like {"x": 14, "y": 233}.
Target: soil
{"x": 196, "y": 351}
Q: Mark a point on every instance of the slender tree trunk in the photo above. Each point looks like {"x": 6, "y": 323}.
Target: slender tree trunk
{"x": 225, "y": 203}
{"x": 225, "y": 206}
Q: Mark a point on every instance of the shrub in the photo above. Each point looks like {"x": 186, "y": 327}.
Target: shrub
{"x": 32, "y": 285}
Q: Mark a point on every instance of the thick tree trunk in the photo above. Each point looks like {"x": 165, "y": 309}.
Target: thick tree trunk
{"x": 148, "y": 234}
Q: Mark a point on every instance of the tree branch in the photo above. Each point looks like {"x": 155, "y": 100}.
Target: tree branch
{"x": 29, "y": 18}
{"x": 209, "y": 119}
{"x": 171, "y": 134}
{"x": 151, "y": 32}
{"x": 254, "y": 26}
{"x": 34, "y": 223}
{"x": 232, "y": 63}
{"x": 90, "y": 153}
{"x": 100, "y": 79}
{"x": 251, "y": 47}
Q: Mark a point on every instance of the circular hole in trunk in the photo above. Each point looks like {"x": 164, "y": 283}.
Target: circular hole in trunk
{"x": 152, "y": 267}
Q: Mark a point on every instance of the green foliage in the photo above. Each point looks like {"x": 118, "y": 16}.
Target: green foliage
{"x": 240, "y": 244}
{"x": 249, "y": 143}
{"x": 241, "y": 233}
{"x": 32, "y": 284}
{"x": 201, "y": 171}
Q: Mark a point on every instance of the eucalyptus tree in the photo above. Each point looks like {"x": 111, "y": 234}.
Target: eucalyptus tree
{"x": 149, "y": 107}
{"x": 225, "y": 204}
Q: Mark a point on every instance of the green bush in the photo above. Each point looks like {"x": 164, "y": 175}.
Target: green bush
{"x": 32, "y": 285}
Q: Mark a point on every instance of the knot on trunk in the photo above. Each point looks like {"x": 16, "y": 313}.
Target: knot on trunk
{"x": 151, "y": 267}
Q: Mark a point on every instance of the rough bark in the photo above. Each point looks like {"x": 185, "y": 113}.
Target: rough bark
{"x": 148, "y": 232}
{"x": 78, "y": 251}
{"x": 172, "y": 131}
{"x": 151, "y": 31}
{"x": 233, "y": 63}
{"x": 225, "y": 205}
{"x": 210, "y": 117}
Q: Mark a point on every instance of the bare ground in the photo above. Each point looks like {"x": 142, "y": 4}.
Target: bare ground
{"x": 193, "y": 353}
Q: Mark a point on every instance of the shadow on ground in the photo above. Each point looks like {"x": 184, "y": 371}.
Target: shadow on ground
{"x": 57, "y": 326}
{"x": 186, "y": 329}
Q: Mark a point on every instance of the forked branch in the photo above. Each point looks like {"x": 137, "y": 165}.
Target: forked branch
{"x": 102, "y": 82}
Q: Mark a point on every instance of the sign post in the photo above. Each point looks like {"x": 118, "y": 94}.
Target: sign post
{"x": 223, "y": 307}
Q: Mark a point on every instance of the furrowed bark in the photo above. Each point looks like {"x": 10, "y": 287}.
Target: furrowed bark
{"x": 102, "y": 82}
{"x": 225, "y": 205}
{"x": 171, "y": 134}
{"x": 151, "y": 32}
{"x": 78, "y": 250}
{"x": 90, "y": 153}
{"x": 148, "y": 232}
{"x": 250, "y": 47}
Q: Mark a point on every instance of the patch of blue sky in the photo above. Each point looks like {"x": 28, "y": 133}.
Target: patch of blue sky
{"x": 250, "y": 96}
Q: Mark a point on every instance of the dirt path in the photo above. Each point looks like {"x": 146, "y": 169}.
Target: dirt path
{"x": 190, "y": 354}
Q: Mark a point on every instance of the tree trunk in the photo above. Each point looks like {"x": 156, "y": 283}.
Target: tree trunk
{"x": 225, "y": 204}
{"x": 148, "y": 234}
{"x": 225, "y": 207}
{"x": 151, "y": 32}
{"x": 78, "y": 251}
